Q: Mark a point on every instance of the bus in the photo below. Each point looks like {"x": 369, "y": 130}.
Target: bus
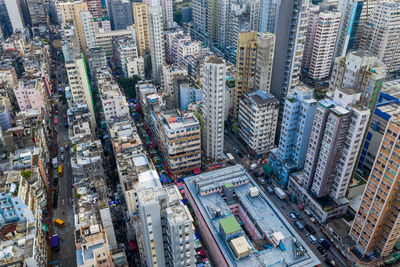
{"x": 55, "y": 243}
{"x": 60, "y": 170}
{"x": 59, "y": 223}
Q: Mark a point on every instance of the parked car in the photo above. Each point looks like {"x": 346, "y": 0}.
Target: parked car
{"x": 240, "y": 154}
{"x": 261, "y": 180}
{"x": 324, "y": 243}
{"x": 322, "y": 251}
{"x": 292, "y": 216}
{"x": 55, "y": 181}
{"x": 62, "y": 149}
{"x": 310, "y": 229}
{"x": 269, "y": 181}
{"x": 298, "y": 215}
{"x": 62, "y": 157}
{"x": 301, "y": 227}
{"x": 313, "y": 220}
{"x": 270, "y": 190}
{"x": 312, "y": 238}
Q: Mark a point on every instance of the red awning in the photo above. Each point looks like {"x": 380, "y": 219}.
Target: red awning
{"x": 179, "y": 184}
{"x": 196, "y": 171}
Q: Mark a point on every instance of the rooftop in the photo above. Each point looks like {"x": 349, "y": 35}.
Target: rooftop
{"x": 204, "y": 189}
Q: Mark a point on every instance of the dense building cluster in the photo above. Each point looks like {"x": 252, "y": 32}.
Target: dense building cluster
{"x": 199, "y": 133}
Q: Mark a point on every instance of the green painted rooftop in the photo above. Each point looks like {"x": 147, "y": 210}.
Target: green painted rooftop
{"x": 230, "y": 225}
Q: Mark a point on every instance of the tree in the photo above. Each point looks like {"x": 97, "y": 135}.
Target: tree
{"x": 63, "y": 97}
{"x": 129, "y": 85}
{"x": 26, "y": 174}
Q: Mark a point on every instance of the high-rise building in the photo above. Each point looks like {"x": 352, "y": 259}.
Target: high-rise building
{"x": 141, "y": 27}
{"x": 14, "y": 11}
{"x": 79, "y": 85}
{"x": 179, "y": 139}
{"x": 94, "y": 7}
{"x": 156, "y": 42}
{"x": 376, "y": 225}
{"x": 37, "y": 12}
{"x": 120, "y": 13}
{"x": 199, "y": 18}
{"x": 255, "y": 52}
{"x": 295, "y": 133}
{"x": 213, "y": 107}
{"x": 381, "y": 34}
{"x": 320, "y": 43}
{"x": 350, "y": 11}
{"x": 257, "y": 120}
{"x": 361, "y": 71}
{"x": 70, "y": 13}
{"x": 269, "y": 14}
{"x": 290, "y": 39}
{"x": 168, "y": 15}
{"x": 387, "y": 106}
{"x": 5, "y": 23}
{"x": 88, "y": 29}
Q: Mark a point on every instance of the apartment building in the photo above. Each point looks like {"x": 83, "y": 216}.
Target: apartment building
{"x": 92, "y": 247}
{"x": 253, "y": 66}
{"x": 120, "y": 13}
{"x": 88, "y": 29}
{"x": 376, "y": 225}
{"x": 387, "y": 106}
{"x": 381, "y": 32}
{"x": 337, "y": 134}
{"x": 113, "y": 101}
{"x": 79, "y": 86}
{"x": 94, "y": 7}
{"x": 170, "y": 74}
{"x": 164, "y": 228}
{"x": 257, "y": 120}
{"x": 320, "y": 43}
{"x": 168, "y": 14}
{"x": 156, "y": 34}
{"x": 362, "y": 72}
{"x": 126, "y": 53}
{"x": 141, "y": 27}
{"x": 350, "y": 11}
{"x": 179, "y": 138}
{"x": 295, "y": 133}
{"x": 104, "y": 39}
{"x": 169, "y": 36}
{"x": 29, "y": 94}
{"x": 29, "y": 245}
{"x": 289, "y": 46}
{"x": 213, "y": 107}
{"x": 70, "y": 12}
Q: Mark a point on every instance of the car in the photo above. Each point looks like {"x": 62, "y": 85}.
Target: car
{"x": 240, "y": 154}
{"x": 330, "y": 262}
{"x": 313, "y": 220}
{"x": 270, "y": 190}
{"x": 66, "y": 147}
{"x": 324, "y": 243}
{"x": 292, "y": 216}
{"x": 298, "y": 215}
{"x": 66, "y": 125}
{"x": 312, "y": 238}
{"x": 62, "y": 149}
{"x": 310, "y": 229}
{"x": 261, "y": 180}
{"x": 269, "y": 181}
{"x": 322, "y": 251}
{"x": 62, "y": 157}
{"x": 55, "y": 181}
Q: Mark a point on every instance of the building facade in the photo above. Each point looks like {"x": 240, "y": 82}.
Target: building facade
{"x": 156, "y": 34}
{"x": 257, "y": 120}
{"x": 320, "y": 43}
{"x": 141, "y": 27}
{"x": 180, "y": 140}
{"x": 381, "y": 32}
{"x": 294, "y": 134}
{"x": 213, "y": 107}
{"x": 376, "y": 225}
